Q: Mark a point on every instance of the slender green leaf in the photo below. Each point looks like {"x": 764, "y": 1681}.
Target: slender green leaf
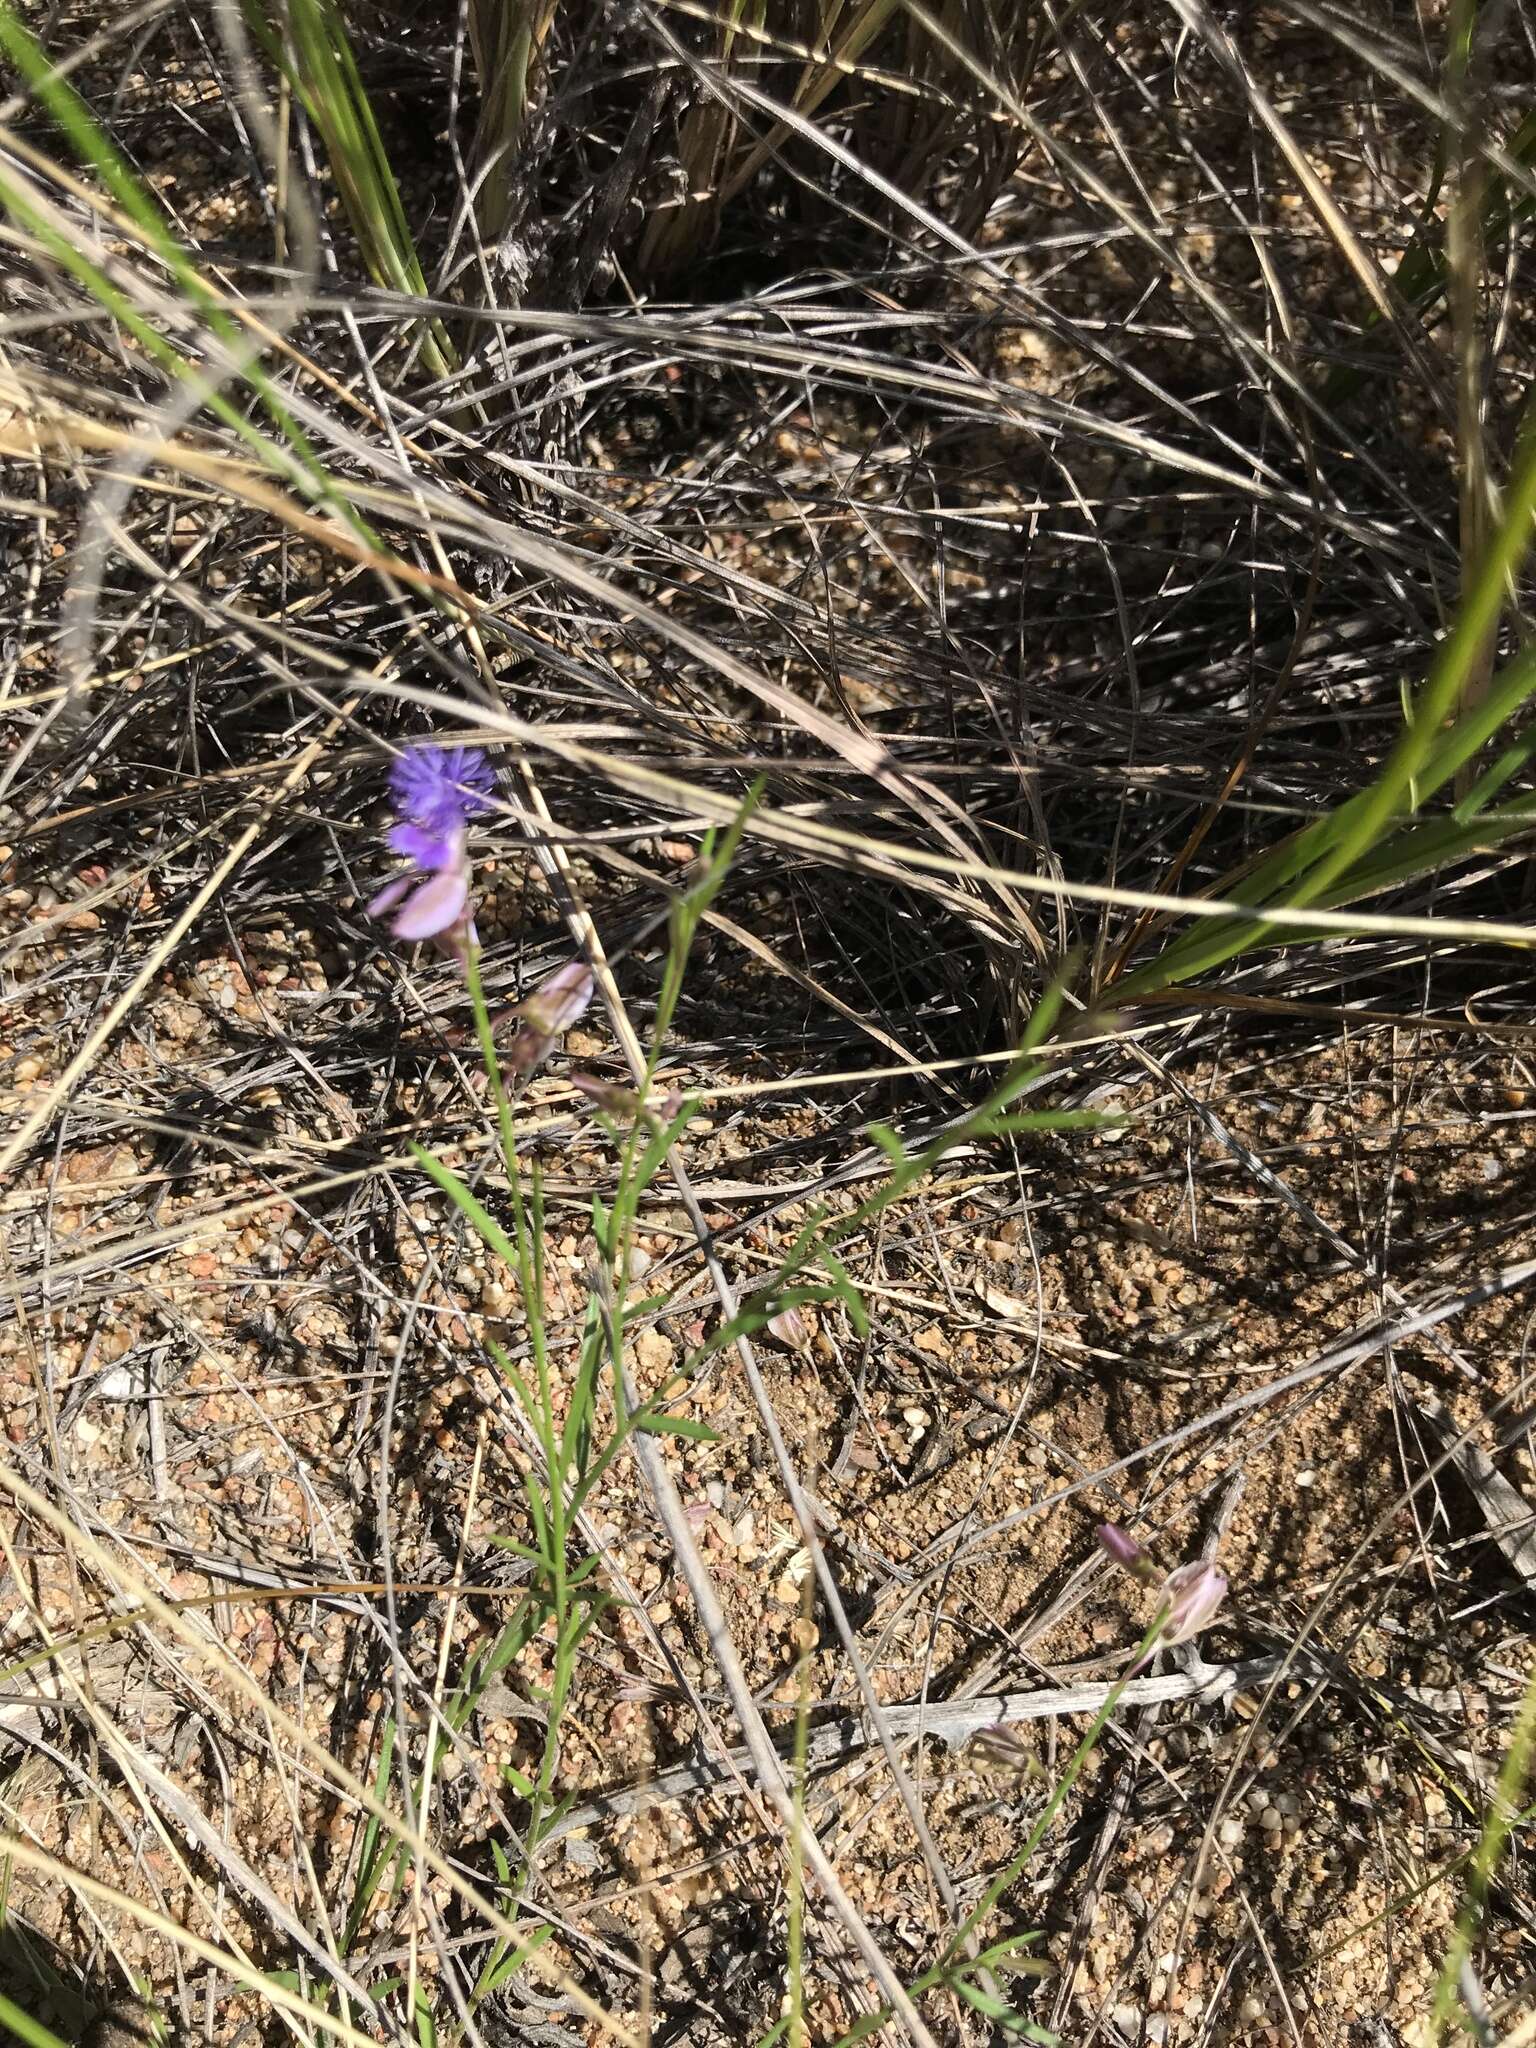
{"x": 657, "y": 1424}
{"x": 985, "y": 2002}
{"x": 484, "y": 1225}
{"x": 25, "y": 2028}
{"x": 518, "y": 1961}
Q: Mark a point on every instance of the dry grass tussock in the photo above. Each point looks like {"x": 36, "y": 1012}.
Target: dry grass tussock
{"x": 956, "y": 529}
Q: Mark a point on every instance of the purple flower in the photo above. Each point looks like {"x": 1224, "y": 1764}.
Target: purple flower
{"x": 436, "y": 792}
{"x": 1190, "y": 1596}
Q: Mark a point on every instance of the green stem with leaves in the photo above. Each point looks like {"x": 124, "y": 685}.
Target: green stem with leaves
{"x": 1503, "y": 1817}
{"x": 958, "y": 1969}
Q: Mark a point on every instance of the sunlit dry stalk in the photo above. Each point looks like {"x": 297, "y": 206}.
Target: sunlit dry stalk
{"x": 706, "y": 147}
{"x": 506, "y": 38}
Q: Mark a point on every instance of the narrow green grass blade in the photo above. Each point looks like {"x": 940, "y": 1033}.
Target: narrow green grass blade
{"x": 376, "y": 1855}
{"x": 485, "y": 1226}
{"x": 705, "y": 146}
{"x": 1498, "y": 1826}
{"x": 1424, "y": 272}
{"x": 816, "y": 82}
{"x": 320, "y": 65}
{"x": 506, "y": 37}
{"x": 655, "y": 1423}
{"x": 95, "y": 150}
{"x": 1318, "y": 860}
{"x": 25, "y": 2028}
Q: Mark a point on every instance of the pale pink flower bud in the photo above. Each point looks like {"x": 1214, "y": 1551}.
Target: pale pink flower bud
{"x": 552, "y": 1008}
{"x": 556, "y": 1004}
{"x": 1004, "y": 1749}
{"x": 1192, "y": 1595}
{"x": 608, "y": 1096}
{"x": 789, "y": 1327}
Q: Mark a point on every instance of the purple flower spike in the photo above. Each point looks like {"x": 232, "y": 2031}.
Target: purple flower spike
{"x": 436, "y": 792}
{"x": 440, "y": 787}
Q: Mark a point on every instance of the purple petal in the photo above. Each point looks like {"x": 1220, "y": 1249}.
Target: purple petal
{"x": 1125, "y": 1550}
{"x": 439, "y": 788}
{"x": 430, "y": 850}
{"x": 415, "y": 780}
{"x": 473, "y": 778}
{"x": 436, "y": 905}
{"x": 389, "y": 895}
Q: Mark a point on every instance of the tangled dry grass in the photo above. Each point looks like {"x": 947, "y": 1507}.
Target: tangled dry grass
{"x": 1012, "y": 442}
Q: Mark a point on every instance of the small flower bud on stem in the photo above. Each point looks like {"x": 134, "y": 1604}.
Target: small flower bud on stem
{"x": 1192, "y": 1595}
{"x": 1126, "y": 1552}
